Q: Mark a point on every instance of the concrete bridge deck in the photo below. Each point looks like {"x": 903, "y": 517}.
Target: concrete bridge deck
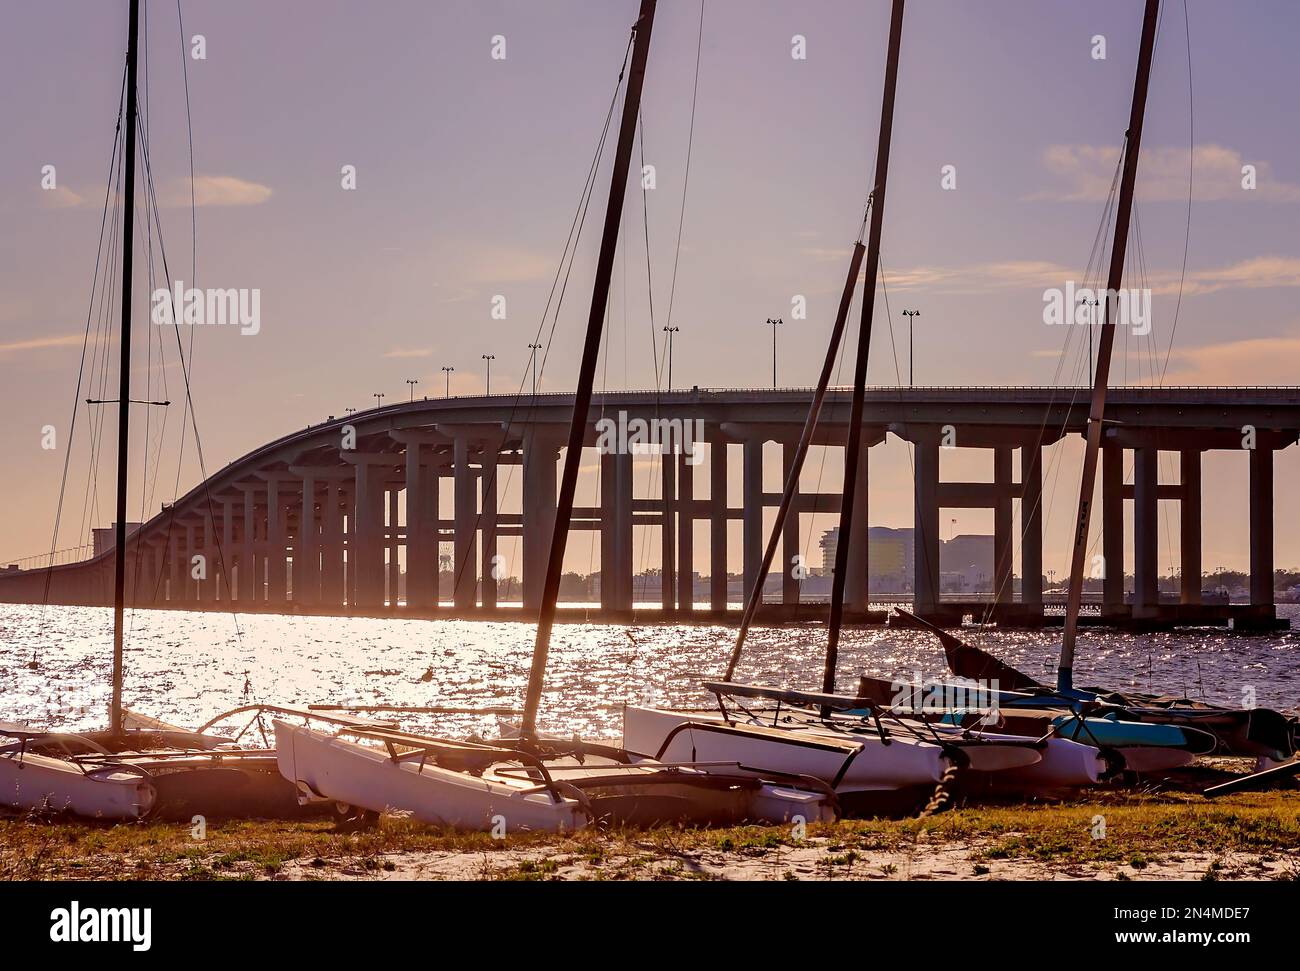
{"x": 346, "y": 516}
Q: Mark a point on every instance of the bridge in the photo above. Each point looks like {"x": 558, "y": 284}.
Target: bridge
{"x": 339, "y": 517}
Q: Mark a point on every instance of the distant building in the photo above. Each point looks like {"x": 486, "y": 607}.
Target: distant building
{"x": 965, "y": 561}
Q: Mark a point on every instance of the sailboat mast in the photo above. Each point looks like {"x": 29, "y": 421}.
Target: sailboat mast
{"x": 1132, "y": 146}
{"x": 124, "y": 374}
{"x": 587, "y": 370}
{"x": 853, "y": 447}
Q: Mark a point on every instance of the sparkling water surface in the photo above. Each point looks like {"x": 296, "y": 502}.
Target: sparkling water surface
{"x": 184, "y": 667}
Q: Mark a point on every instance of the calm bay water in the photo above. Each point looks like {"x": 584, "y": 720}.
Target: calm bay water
{"x": 185, "y": 667}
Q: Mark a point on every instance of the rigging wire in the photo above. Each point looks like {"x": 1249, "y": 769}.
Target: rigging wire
{"x": 81, "y": 367}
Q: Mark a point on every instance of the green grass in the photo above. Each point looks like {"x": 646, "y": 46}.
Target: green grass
{"x": 1140, "y": 830}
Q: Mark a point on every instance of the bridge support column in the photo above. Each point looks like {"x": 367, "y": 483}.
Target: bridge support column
{"x": 1031, "y": 525}
{"x": 925, "y": 537}
{"x": 668, "y": 506}
{"x": 393, "y": 542}
{"x": 1112, "y": 529}
{"x": 421, "y": 550}
{"x": 685, "y": 533}
{"x": 365, "y": 549}
{"x": 752, "y": 511}
{"x": 718, "y": 525}
{"x": 464, "y": 515}
{"x": 789, "y": 533}
{"x": 1003, "y": 526}
{"x": 616, "y": 531}
{"x": 225, "y": 580}
{"x": 539, "y": 497}
{"x": 189, "y": 589}
{"x": 276, "y": 545}
{"x": 306, "y": 553}
{"x": 1146, "y": 533}
{"x": 332, "y": 549}
{"x": 856, "y": 579}
{"x": 488, "y": 518}
{"x": 175, "y": 571}
{"x": 1189, "y": 526}
{"x": 1261, "y": 525}
{"x": 247, "y": 560}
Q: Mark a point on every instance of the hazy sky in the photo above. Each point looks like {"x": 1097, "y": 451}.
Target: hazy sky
{"x": 469, "y": 167}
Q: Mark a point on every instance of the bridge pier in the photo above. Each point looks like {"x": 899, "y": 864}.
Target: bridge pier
{"x": 1189, "y": 526}
{"x": 488, "y": 494}
{"x": 752, "y": 484}
{"x": 1031, "y": 524}
{"x": 719, "y": 519}
{"x": 925, "y": 536}
{"x": 685, "y": 533}
{"x": 541, "y": 452}
{"x": 1261, "y": 525}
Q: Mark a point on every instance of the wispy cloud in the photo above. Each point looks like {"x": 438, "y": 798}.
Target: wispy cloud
{"x": 1084, "y": 174}
{"x": 214, "y": 190}
{"x": 41, "y": 343}
{"x": 61, "y": 198}
{"x": 409, "y": 352}
{"x": 1261, "y": 360}
{"x": 1256, "y": 273}
{"x": 209, "y": 191}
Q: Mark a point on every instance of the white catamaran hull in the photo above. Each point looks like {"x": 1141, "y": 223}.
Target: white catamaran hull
{"x": 43, "y": 783}
{"x": 365, "y": 776}
{"x": 849, "y": 762}
{"x": 1064, "y": 763}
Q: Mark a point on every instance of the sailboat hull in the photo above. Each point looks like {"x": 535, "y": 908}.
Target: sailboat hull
{"x": 363, "y": 776}
{"x": 42, "y": 783}
{"x": 849, "y": 762}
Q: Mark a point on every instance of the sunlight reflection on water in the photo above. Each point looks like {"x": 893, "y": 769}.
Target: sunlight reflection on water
{"x": 185, "y": 667}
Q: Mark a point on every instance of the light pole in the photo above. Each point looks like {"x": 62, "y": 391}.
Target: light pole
{"x": 412, "y": 382}
{"x": 349, "y": 411}
{"x": 670, "y": 331}
{"x": 489, "y": 358}
{"x": 447, "y": 371}
{"x": 910, "y": 315}
{"x": 533, "y": 357}
{"x": 379, "y": 399}
{"x": 774, "y": 321}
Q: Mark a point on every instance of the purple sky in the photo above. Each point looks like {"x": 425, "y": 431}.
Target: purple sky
{"x": 468, "y": 170}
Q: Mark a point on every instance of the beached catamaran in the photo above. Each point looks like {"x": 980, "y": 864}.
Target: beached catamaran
{"x": 1111, "y": 717}
{"x": 137, "y": 766}
{"x": 875, "y": 758}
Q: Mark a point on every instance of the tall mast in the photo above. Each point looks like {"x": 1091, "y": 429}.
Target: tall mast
{"x": 587, "y": 370}
{"x": 1132, "y": 146}
{"x": 124, "y": 375}
{"x": 854, "y": 446}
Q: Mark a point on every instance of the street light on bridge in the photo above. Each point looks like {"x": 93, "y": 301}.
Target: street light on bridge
{"x": 412, "y": 382}
{"x": 379, "y": 399}
{"x": 533, "y": 358}
{"x": 447, "y": 371}
{"x": 774, "y": 321}
{"x": 670, "y": 331}
{"x": 910, "y": 315}
{"x": 489, "y": 358}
